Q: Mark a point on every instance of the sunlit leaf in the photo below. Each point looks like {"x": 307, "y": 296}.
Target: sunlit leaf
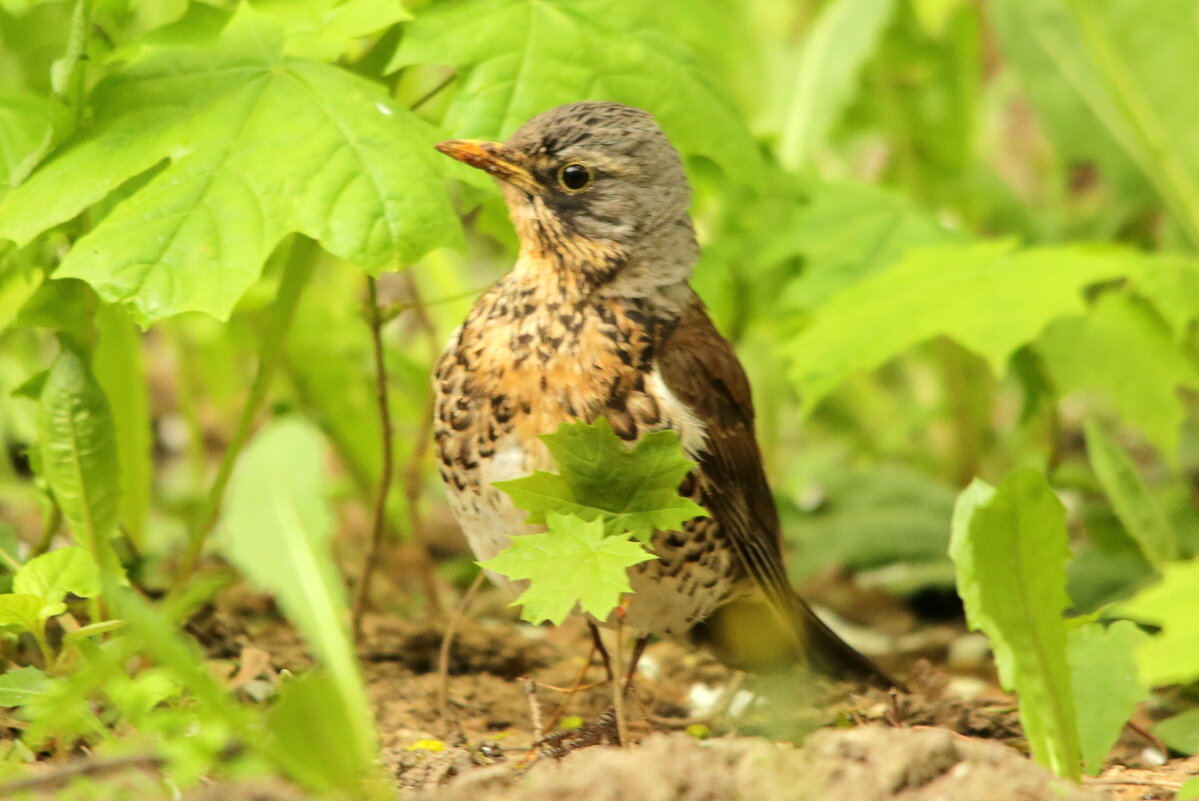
{"x": 836, "y": 48}
{"x": 989, "y": 297}
{"x": 1010, "y": 548}
{"x": 521, "y": 57}
{"x": 1172, "y": 655}
{"x": 1122, "y": 352}
{"x": 1107, "y": 689}
{"x": 277, "y": 526}
{"x": 347, "y": 168}
{"x": 27, "y": 612}
{"x": 1181, "y": 732}
{"x": 53, "y": 575}
{"x": 574, "y": 563}
{"x": 21, "y": 685}
{"x": 635, "y": 490}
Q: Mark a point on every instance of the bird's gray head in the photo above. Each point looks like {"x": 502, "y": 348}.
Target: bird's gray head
{"x": 593, "y": 186}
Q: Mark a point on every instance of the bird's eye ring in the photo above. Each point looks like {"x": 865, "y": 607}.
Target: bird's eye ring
{"x": 574, "y": 177}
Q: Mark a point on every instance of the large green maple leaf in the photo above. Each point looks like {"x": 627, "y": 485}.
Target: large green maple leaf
{"x": 521, "y": 57}
{"x": 634, "y": 490}
{"x": 236, "y": 145}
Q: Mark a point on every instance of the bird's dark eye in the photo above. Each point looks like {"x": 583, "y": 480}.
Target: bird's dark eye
{"x": 574, "y": 177}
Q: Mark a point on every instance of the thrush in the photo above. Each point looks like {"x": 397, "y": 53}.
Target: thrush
{"x": 597, "y": 319}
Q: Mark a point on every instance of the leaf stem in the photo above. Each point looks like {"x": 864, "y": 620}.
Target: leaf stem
{"x": 296, "y": 271}
{"x": 375, "y": 319}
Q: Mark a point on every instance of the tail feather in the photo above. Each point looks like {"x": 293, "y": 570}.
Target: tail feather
{"x": 747, "y": 634}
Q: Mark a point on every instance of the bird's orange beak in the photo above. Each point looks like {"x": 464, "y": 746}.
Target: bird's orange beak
{"x": 491, "y": 157}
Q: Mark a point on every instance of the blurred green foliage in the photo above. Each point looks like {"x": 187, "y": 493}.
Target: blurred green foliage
{"x": 949, "y": 239}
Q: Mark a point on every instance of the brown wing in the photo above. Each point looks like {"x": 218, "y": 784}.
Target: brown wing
{"x": 703, "y": 372}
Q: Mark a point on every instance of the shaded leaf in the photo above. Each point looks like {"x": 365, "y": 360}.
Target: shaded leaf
{"x": 1009, "y": 545}
{"x": 635, "y": 490}
{"x": 1103, "y": 675}
{"x": 1181, "y": 732}
{"x": 53, "y": 575}
{"x": 79, "y": 452}
{"x": 1138, "y": 511}
{"x": 573, "y": 563}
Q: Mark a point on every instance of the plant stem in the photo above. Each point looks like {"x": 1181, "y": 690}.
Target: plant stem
{"x": 381, "y": 399}
{"x": 301, "y": 260}
{"x": 618, "y": 683}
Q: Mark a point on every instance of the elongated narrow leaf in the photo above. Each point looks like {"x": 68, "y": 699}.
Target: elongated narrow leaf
{"x": 988, "y": 296}
{"x": 117, "y": 362}
{"x": 1107, "y": 689}
{"x": 833, "y": 54}
{"x": 79, "y": 451}
{"x": 1110, "y": 78}
{"x": 1138, "y": 511}
{"x": 1010, "y": 549}
{"x": 253, "y": 145}
{"x": 276, "y": 529}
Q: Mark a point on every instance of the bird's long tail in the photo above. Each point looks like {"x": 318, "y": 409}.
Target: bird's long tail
{"x": 748, "y": 634}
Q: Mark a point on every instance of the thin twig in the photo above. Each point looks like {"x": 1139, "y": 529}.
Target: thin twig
{"x": 530, "y": 688}
{"x": 413, "y": 484}
{"x": 618, "y": 687}
{"x": 296, "y": 272}
{"x": 432, "y": 93}
{"x": 447, "y": 640}
{"x": 381, "y": 399}
{"x": 91, "y": 766}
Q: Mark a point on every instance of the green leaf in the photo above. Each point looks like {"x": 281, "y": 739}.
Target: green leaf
{"x": 27, "y": 612}
{"x": 1172, "y": 655}
{"x": 1121, "y": 351}
{"x": 1138, "y": 511}
{"x": 1189, "y": 790}
{"x": 521, "y": 57}
{"x": 257, "y": 145}
{"x": 832, "y": 57}
{"x": 79, "y": 452}
{"x": 1010, "y": 549}
{"x": 987, "y": 296}
{"x": 117, "y": 362}
{"x": 1110, "y": 81}
{"x": 1180, "y": 732}
{"x": 19, "y": 687}
{"x": 52, "y": 575}
{"x": 1172, "y": 285}
{"x": 24, "y": 119}
{"x": 309, "y": 723}
{"x": 634, "y": 490}
{"x": 574, "y": 563}
{"x": 326, "y": 29}
{"x": 848, "y": 232}
{"x": 1103, "y": 675}
{"x": 276, "y": 528}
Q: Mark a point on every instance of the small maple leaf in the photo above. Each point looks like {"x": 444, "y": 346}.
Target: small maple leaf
{"x": 634, "y": 490}
{"x": 573, "y": 563}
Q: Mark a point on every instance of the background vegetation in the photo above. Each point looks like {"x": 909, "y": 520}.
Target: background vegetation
{"x": 950, "y": 239}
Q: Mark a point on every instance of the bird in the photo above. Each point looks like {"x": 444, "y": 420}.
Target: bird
{"x": 597, "y": 319}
